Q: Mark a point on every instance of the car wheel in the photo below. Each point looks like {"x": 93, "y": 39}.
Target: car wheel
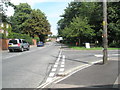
{"x": 10, "y": 50}
{"x": 28, "y": 48}
{"x": 22, "y": 49}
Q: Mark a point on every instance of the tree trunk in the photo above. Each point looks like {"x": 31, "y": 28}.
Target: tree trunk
{"x": 79, "y": 41}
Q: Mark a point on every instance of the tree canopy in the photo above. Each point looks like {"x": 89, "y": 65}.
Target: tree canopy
{"x": 87, "y": 17}
{"x": 30, "y": 21}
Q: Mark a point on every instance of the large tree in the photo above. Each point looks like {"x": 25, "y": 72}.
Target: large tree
{"x": 114, "y": 23}
{"x": 4, "y": 19}
{"x": 37, "y": 24}
{"x": 93, "y": 12}
{"x": 79, "y": 29}
{"x": 30, "y": 21}
{"x": 21, "y": 14}
{"x": 4, "y": 4}
{"x": 81, "y": 10}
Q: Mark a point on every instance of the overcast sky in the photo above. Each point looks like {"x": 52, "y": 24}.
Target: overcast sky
{"x": 52, "y": 9}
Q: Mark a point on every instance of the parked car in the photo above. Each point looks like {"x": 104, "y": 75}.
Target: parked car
{"x": 40, "y": 44}
{"x": 18, "y": 44}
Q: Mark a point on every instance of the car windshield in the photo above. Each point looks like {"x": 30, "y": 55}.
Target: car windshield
{"x": 13, "y": 41}
{"x": 40, "y": 42}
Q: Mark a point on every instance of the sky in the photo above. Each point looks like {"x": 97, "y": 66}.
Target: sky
{"x": 51, "y": 8}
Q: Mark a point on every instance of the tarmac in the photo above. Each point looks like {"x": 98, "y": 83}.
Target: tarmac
{"x": 98, "y": 76}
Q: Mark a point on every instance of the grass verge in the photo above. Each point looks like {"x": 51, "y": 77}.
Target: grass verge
{"x": 93, "y": 48}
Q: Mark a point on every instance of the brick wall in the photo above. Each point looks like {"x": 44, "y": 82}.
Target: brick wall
{"x": 34, "y": 42}
{"x": 4, "y": 44}
{"x": 0, "y": 44}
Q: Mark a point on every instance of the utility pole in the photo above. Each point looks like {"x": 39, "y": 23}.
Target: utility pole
{"x": 105, "y": 41}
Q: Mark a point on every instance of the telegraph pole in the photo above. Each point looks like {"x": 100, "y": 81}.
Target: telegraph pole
{"x": 105, "y": 41}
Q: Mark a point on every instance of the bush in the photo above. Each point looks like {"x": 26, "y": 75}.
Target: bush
{"x": 2, "y": 36}
{"x": 20, "y": 36}
{"x": 114, "y": 44}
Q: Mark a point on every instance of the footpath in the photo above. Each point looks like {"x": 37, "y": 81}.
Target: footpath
{"x": 100, "y": 76}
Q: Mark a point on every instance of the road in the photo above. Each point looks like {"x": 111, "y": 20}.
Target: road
{"x": 27, "y": 69}
{"x": 94, "y": 76}
{"x": 77, "y": 60}
{"x": 31, "y": 69}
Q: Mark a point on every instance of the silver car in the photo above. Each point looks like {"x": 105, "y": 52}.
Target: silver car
{"x": 18, "y": 44}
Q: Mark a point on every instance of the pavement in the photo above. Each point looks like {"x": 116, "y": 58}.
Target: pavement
{"x": 95, "y": 76}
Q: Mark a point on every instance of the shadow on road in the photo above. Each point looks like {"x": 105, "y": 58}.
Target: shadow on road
{"x": 74, "y": 60}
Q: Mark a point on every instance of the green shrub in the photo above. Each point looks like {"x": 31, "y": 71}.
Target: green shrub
{"x": 20, "y": 36}
{"x": 3, "y": 36}
{"x": 114, "y": 44}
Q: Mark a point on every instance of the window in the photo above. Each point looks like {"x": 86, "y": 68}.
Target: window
{"x": 24, "y": 41}
{"x": 13, "y": 41}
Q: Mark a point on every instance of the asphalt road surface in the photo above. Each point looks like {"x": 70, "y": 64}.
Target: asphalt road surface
{"x": 27, "y": 69}
{"x": 31, "y": 69}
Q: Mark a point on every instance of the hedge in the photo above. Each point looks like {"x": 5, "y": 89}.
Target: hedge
{"x": 20, "y": 36}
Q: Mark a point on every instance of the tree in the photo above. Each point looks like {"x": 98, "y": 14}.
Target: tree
{"x": 93, "y": 12}
{"x": 114, "y": 23}
{"x": 79, "y": 29}
{"x": 37, "y": 24}
{"x": 80, "y": 10}
{"x": 21, "y": 14}
{"x": 4, "y": 19}
{"x": 30, "y": 21}
{"x": 3, "y": 8}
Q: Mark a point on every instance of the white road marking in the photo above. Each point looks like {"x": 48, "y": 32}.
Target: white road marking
{"x": 55, "y": 66}
{"x": 62, "y": 66}
{"x": 56, "y": 63}
{"x": 74, "y": 70}
{"x": 63, "y": 56}
{"x": 49, "y": 79}
{"x": 51, "y": 74}
{"x": 53, "y": 69}
{"x": 100, "y": 55}
{"x": 59, "y": 56}
{"x": 63, "y": 60}
{"x": 116, "y": 54}
{"x": 62, "y": 69}
{"x": 63, "y": 63}
{"x": 61, "y": 73}
{"x": 68, "y": 73}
